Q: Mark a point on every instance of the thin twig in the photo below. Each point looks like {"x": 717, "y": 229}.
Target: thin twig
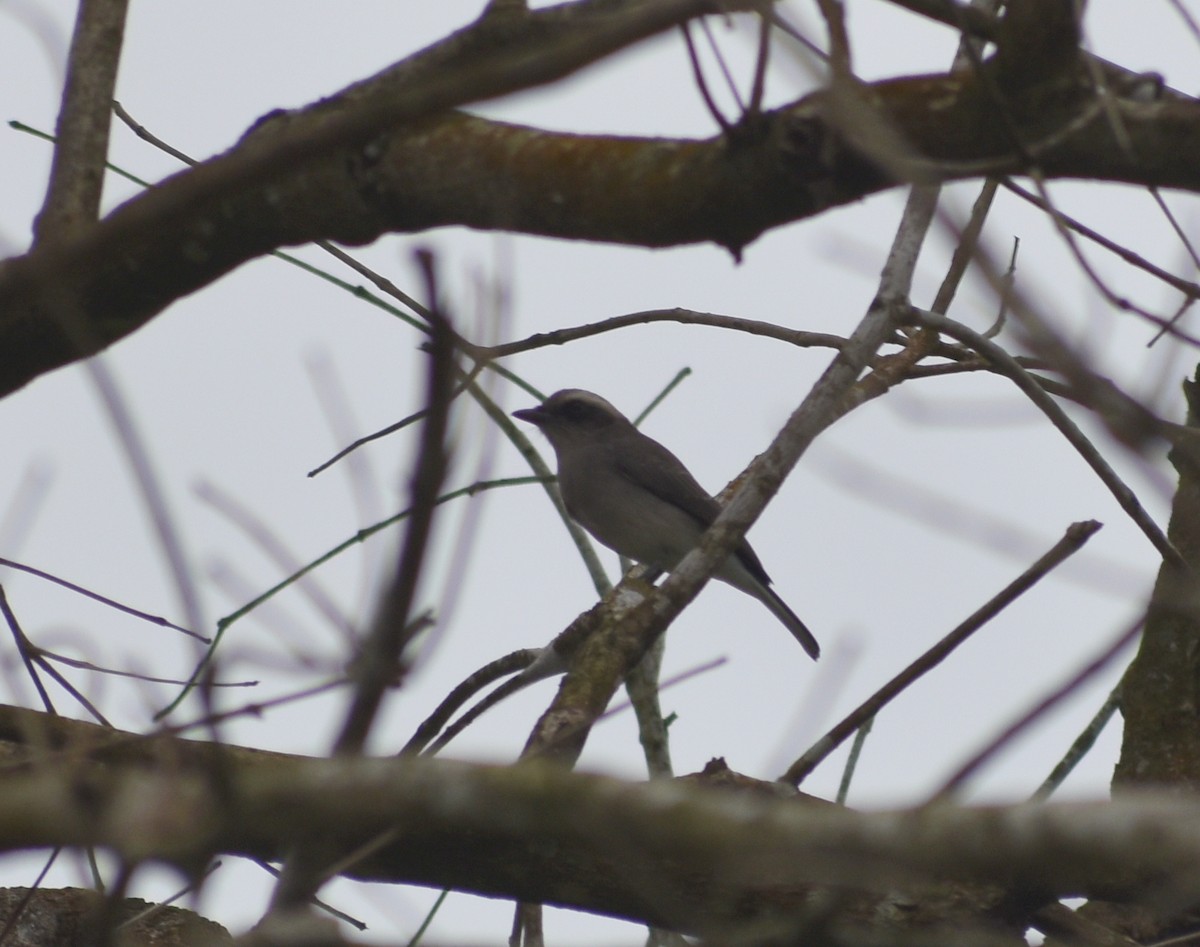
{"x": 1082, "y": 744}
{"x": 153, "y": 495}
{"x": 135, "y": 675}
{"x": 103, "y": 600}
{"x": 148, "y": 136}
{"x": 759, "y": 86}
{"x": 1120, "y": 302}
{"x": 1187, "y": 287}
{"x": 702, "y": 83}
{"x": 224, "y": 624}
{"x": 770, "y": 330}
{"x": 1011, "y": 368}
{"x": 1186, "y": 16}
{"x": 159, "y": 906}
{"x": 643, "y": 687}
{"x": 658, "y": 399}
{"x": 840, "y": 63}
{"x": 965, "y": 249}
{"x": 726, "y": 72}
{"x": 1007, "y": 281}
{"x": 860, "y": 738}
{"x": 70, "y": 688}
{"x": 391, "y": 428}
{"x": 464, "y": 691}
{"x": 1076, "y": 535}
{"x": 81, "y": 134}
{"x": 321, "y": 905}
{"x": 788, "y": 29}
{"x": 390, "y": 631}
{"x": 1038, "y": 710}
{"x": 273, "y": 548}
{"x": 1192, "y": 255}
{"x": 25, "y": 650}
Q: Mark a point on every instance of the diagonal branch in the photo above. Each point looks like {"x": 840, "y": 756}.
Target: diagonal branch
{"x": 1077, "y": 534}
{"x": 81, "y": 147}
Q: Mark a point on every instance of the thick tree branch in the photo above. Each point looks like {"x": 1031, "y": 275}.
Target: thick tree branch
{"x": 213, "y": 217}
{"x": 71, "y": 917}
{"x": 1161, "y": 689}
{"x": 385, "y": 156}
{"x": 694, "y": 859}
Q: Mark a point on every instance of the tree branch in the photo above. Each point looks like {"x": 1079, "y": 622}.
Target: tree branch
{"x": 386, "y": 156}
{"x": 81, "y": 147}
{"x": 638, "y": 851}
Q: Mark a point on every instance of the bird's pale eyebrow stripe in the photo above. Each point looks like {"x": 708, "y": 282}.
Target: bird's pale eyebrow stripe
{"x": 586, "y": 397}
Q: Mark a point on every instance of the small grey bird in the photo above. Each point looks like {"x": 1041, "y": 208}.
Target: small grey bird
{"x": 637, "y": 498}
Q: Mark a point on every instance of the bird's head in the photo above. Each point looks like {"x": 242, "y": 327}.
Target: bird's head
{"x": 574, "y": 416}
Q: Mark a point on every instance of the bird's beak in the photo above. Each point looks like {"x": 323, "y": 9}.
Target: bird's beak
{"x": 532, "y": 415}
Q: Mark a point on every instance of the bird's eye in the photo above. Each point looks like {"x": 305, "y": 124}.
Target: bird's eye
{"x": 583, "y": 413}
{"x": 577, "y": 411}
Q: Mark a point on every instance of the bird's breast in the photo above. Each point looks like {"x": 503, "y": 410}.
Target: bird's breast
{"x": 625, "y": 516}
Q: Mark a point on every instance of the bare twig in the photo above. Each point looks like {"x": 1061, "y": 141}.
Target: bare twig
{"x": 104, "y": 600}
{"x": 1187, "y": 287}
{"x": 1006, "y": 288}
{"x": 685, "y": 316}
{"x": 391, "y": 428}
{"x": 464, "y": 691}
{"x": 153, "y": 495}
{"x": 135, "y": 675}
{"x": 70, "y": 688}
{"x": 77, "y": 170}
{"x": 860, "y": 738}
{"x": 148, "y": 136}
{"x": 840, "y": 63}
{"x": 1083, "y": 743}
{"x": 272, "y": 546}
{"x": 1186, "y": 16}
{"x": 323, "y": 906}
{"x": 25, "y": 650}
{"x": 759, "y": 86}
{"x": 643, "y": 687}
{"x": 1039, "y": 710}
{"x": 964, "y": 250}
{"x": 378, "y": 662}
{"x": 702, "y": 83}
{"x": 1186, "y": 241}
{"x": 893, "y": 369}
{"x": 1120, "y": 302}
{"x": 376, "y": 665}
{"x": 1077, "y": 534}
{"x": 658, "y": 399}
{"x": 224, "y": 624}
{"x": 1007, "y": 365}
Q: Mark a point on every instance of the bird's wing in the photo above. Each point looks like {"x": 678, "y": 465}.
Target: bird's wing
{"x": 657, "y": 470}
{"x": 654, "y": 468}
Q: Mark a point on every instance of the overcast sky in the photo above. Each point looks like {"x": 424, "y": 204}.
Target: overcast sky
{"x": 903, "y": 518}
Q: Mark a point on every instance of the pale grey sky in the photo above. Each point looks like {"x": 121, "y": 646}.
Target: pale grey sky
{"x": 222, "y": 390}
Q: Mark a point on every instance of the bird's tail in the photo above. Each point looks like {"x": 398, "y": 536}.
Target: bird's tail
{"x": 792, "y": 621}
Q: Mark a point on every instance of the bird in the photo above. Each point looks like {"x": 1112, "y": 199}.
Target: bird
{"x": 638, "y": 499}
